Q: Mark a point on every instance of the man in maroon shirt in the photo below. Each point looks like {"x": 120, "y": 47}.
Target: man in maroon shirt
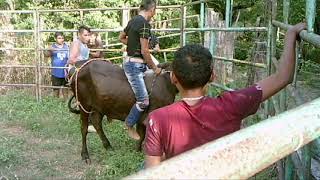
{"x": 197, "y": 119}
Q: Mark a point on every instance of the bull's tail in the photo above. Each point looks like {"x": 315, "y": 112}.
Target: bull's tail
{"x": 72, "y": 106}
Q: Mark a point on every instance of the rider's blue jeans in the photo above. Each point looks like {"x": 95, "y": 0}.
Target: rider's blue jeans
{"x": 135, "y": 73}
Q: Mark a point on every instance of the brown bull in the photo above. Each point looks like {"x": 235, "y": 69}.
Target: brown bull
{"x": 103, "y": 89}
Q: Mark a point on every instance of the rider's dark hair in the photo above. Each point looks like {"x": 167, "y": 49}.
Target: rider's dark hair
{"x": 147, "y": 5}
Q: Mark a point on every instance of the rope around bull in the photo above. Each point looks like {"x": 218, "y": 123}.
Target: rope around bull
{"x": 76, "y": 84}
{"x": 77, "y": 70}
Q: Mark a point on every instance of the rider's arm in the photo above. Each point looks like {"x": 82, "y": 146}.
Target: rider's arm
{"x": 74, "y": 52}
{"x": 144, "y": 41}
{"x": 123, "y": 38}
{"x": 146, "y": 53}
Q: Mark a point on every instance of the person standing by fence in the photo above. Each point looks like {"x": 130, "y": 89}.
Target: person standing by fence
{"x": 197, "y": 119}
{"x": 79, "y": 51}
{"x": 59, "y": 53}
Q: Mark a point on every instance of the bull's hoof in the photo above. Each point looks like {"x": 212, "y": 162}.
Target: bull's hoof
{"x": 85, "y": 157}
{"x": 87, "y": 161}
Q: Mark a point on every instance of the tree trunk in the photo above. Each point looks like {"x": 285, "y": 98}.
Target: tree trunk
{"x": 223, "y": 46}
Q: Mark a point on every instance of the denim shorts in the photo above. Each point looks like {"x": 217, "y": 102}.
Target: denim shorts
{"x": 135, "y": 73}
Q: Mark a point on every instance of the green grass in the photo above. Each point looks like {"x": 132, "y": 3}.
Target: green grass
{"x": 9, "y": 149}
{"x": 43, "y": 140}
{"x": 40, "y": 140}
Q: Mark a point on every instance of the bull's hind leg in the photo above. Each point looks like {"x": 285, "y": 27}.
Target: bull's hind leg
{"x": 96, "y": 119}
{"x": 84, "y": 132}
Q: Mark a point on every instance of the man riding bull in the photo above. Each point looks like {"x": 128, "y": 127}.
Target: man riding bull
{"x": 136, "y": 36}
{"x": 79, "y": 51}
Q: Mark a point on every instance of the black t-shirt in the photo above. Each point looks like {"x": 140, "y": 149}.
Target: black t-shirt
{"x": 153, "y": 41}
{"x": 138, "y": 27}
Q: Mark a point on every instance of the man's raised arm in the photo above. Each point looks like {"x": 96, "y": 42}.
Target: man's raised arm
{"x": 284, "y": 75}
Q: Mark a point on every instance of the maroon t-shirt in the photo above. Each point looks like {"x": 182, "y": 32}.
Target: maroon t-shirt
{"x": 177, "y": 128}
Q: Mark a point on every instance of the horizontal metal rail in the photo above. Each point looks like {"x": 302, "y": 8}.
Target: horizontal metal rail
{"x": 221, "y": 86}
{"x": 54, "y": 87}
{"x": 17, "y": 66}
{"x": 197, "y": 2}
{"x": 18, "y": 85}
{"x": 75, "y": 30}
{"x": 53, "y": 67}
{"x": 242, "y": 154}
{"x": 230, "y": 29}
{"x": 260, "y": 65}
{"x": 111, "y": 45}
{"x": 17, "y": 12}
{"x": 102, "y": 9}
{"x": 17, "y": 49}
{"x": 115, "y": 58}
{"x": 175, "y": 19}
{"x": 16, "y": 31}
{"x": 175, "y": 34}
{"x": 312, "y": 38}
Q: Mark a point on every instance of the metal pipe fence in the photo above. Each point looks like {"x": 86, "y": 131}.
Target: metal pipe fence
{"x": 308, "y": 36}
{"x": 183, "y": 31}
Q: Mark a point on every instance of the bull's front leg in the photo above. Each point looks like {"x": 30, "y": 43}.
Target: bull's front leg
{"x": 84, "y": 131}
{"x": 96, "y": 119}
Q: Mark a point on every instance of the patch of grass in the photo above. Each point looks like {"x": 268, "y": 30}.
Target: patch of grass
{"x": 10, "y": 149}
{"x": 10, "y": 155}
{"x": 48, "y": 169}
{"x": 49, "y": 143}
{"x": 53, "y": 142}
{"x": 46, "y": 118}
{"x": 119, "y": 162}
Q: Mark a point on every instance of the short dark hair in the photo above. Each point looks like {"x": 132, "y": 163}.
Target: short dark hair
{"x": 58, "y": 34}
{"x": 83, "y": 28}
{"x": 192, "y": 65}
{"x": 147, "y": 5}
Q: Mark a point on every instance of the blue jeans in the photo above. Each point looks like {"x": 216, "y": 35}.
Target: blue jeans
{"x": 135, "y": 73}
